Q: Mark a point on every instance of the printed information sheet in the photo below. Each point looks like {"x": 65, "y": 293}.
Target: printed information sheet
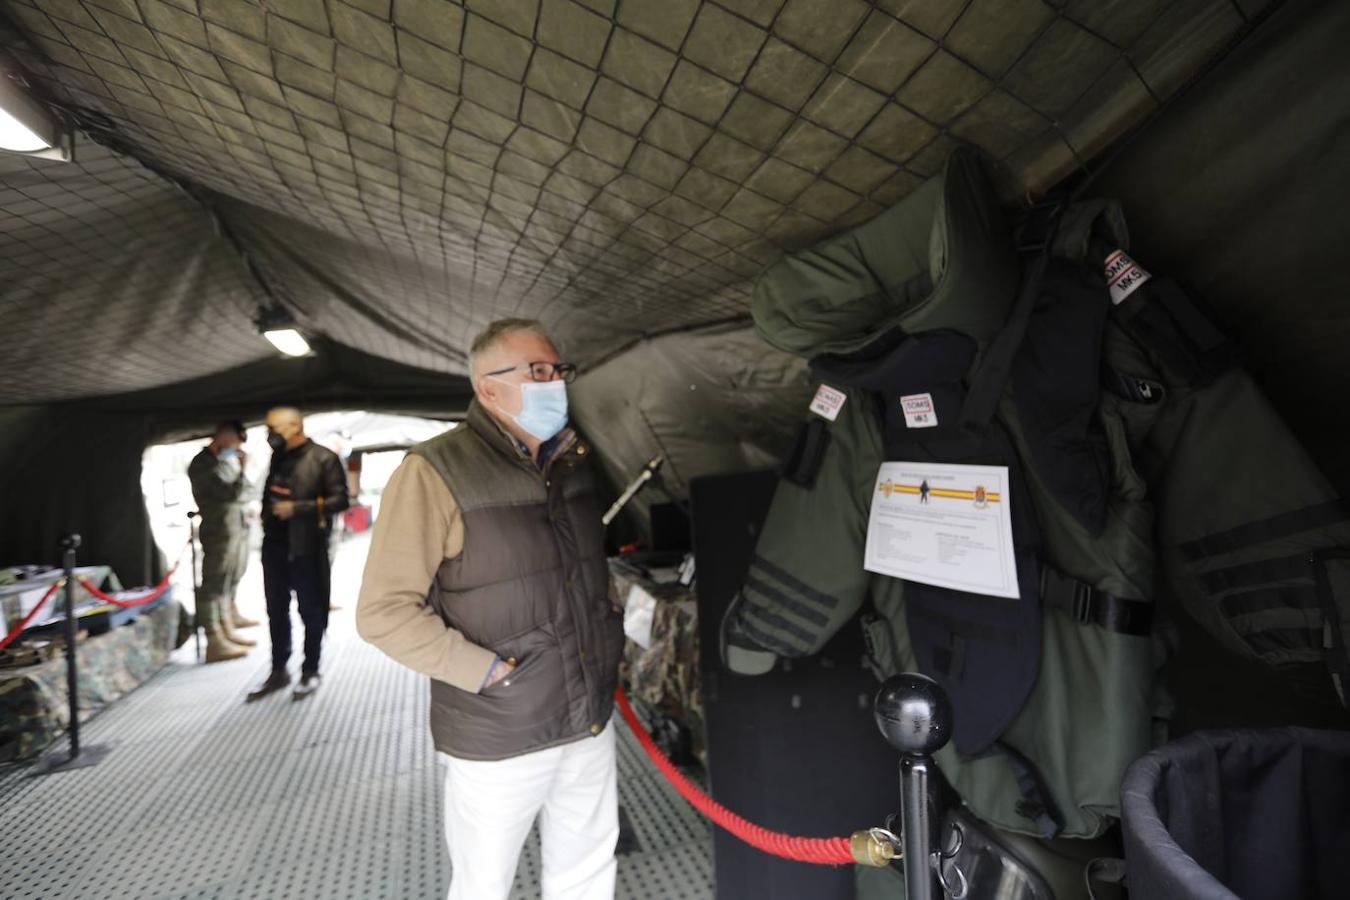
{"x": 943, "y": 525}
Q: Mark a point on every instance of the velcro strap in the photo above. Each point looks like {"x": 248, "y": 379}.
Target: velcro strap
{"x": 803, "y": 463}
{"x": 1088, "y": 606}
{"x": 1197, "y": 326}
{"x": 991, "y": 374}
{"x": 1037, "y": 804}
{"x": 1258, "y": 600}
{"x": 1319, "y": 515}
{"x": 1176, "y": 333}
{"x": 1257, "y": 573}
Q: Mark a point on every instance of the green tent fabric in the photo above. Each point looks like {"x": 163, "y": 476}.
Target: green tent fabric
{"x": 398, "y": 174}
{"x": 710, "y": 401}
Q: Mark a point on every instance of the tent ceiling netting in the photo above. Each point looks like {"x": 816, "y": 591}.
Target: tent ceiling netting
{"x": 399, "y": 173}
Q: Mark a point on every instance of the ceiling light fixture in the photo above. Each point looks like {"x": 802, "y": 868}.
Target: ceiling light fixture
{"x": 28, "y": 127}
{"x": 289, "y": 341}
{"x": 278, "y": 326}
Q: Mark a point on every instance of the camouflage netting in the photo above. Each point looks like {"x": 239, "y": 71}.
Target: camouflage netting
{"x": 398, "y": 173}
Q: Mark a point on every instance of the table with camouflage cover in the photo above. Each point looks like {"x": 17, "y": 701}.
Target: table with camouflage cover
{"x": 664, "y": 676}
{"x": 33, "y": 704}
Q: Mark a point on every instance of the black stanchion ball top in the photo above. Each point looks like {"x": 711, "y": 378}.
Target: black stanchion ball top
{"x": 913, "y": 713}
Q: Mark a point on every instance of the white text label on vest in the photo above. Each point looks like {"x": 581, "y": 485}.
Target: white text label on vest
{"x": 1123, "y": 276}
{"x": 828, "y": 402}
{"x": 919, "y": 411}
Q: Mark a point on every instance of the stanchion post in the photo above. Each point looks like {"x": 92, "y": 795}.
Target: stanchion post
{"x": 196, "y": 588}
{"x": 915, "y": 716}
{"x": 69, "y": 545}
{"x": 79, "y": 757}
{"x": 918, "y": 829}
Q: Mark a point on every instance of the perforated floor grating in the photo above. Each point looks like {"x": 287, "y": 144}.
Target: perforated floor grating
{"x": 206, "y": 798}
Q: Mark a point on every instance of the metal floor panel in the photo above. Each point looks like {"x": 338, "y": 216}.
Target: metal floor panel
{"x": 205, "y": 797}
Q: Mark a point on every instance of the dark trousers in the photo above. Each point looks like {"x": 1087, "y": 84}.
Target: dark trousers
{"x": 309, "y": 577}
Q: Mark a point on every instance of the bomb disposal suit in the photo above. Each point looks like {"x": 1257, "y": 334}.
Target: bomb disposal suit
{"x": 1124, "y": 426}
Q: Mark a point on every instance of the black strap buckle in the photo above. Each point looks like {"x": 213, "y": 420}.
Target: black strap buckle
{"x": 1087, "y": 605}
{"x": 1132, "y": 387}
{"x": 1084, "y": 597}
{"x": 803, "y": 463}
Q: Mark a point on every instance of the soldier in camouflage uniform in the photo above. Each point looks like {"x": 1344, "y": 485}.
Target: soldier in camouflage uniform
{"x": 219, "y": 486}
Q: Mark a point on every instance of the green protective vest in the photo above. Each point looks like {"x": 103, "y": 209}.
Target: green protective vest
{"x": 1090, "y": 711}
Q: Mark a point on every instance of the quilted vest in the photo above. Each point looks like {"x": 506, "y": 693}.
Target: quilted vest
{"x": 531, "y": 584}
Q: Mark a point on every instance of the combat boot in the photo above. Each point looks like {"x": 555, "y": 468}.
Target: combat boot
{"x": 238, "y": 619}
{"x": 229, "y": 629}
{"x": 218, "y": 649}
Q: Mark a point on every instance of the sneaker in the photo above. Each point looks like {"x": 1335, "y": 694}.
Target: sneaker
{"x": 309, "y": 683}
{"x": 277, "y": 680}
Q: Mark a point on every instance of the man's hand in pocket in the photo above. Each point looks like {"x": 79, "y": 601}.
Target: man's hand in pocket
{"x": 500, "y": 671}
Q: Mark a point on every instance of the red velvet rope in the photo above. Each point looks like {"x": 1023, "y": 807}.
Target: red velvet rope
{"x": 32, "y": 614}
{"x": 151, "y": 597}
{"x": 821, "y": 851}
{"x": 97, "y": 594}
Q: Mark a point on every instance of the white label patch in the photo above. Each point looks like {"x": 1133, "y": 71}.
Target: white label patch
{"x": 1123, "y": 276}
{"x": 828, "y": 402}
{"x": 919, "y": 412}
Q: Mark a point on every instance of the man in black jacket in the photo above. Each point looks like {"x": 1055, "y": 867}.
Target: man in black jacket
{"x": 306, "y": 486}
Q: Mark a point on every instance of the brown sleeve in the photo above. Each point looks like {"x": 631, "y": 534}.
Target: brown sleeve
{"x": 419, "y": 526}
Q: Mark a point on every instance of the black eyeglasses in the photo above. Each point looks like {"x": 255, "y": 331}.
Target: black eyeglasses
{"x": 544, "y": 371}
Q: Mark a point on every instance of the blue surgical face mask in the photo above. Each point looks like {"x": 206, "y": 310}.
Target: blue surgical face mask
{"x": 543, "y": 411}
{"x": 228, "y": 453}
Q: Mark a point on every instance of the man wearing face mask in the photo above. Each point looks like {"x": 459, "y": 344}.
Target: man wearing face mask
{"x": 306, "y": 487}
{"x": 487, "y": 573}
{"x": 220, "y": 487}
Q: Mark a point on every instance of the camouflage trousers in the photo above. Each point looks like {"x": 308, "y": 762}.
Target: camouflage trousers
{"x": 224, "y": 561}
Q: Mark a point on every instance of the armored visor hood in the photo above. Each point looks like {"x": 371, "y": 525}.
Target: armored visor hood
{"x": 948, "y": 263}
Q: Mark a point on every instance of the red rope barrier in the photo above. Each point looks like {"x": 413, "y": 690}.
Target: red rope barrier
{"x": 821, "y": 851}
{"x": 97, "y": 594}
{"x": 155, "y": 593}
{"x": 32, "y": 614}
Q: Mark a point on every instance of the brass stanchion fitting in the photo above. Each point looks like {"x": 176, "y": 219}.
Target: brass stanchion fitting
{"x": 872, "y": 848}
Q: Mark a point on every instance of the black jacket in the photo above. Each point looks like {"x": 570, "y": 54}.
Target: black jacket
{"x": 312, "y": 476}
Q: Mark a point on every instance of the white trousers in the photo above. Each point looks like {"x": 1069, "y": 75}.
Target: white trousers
{"x": 490, "y": 806}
